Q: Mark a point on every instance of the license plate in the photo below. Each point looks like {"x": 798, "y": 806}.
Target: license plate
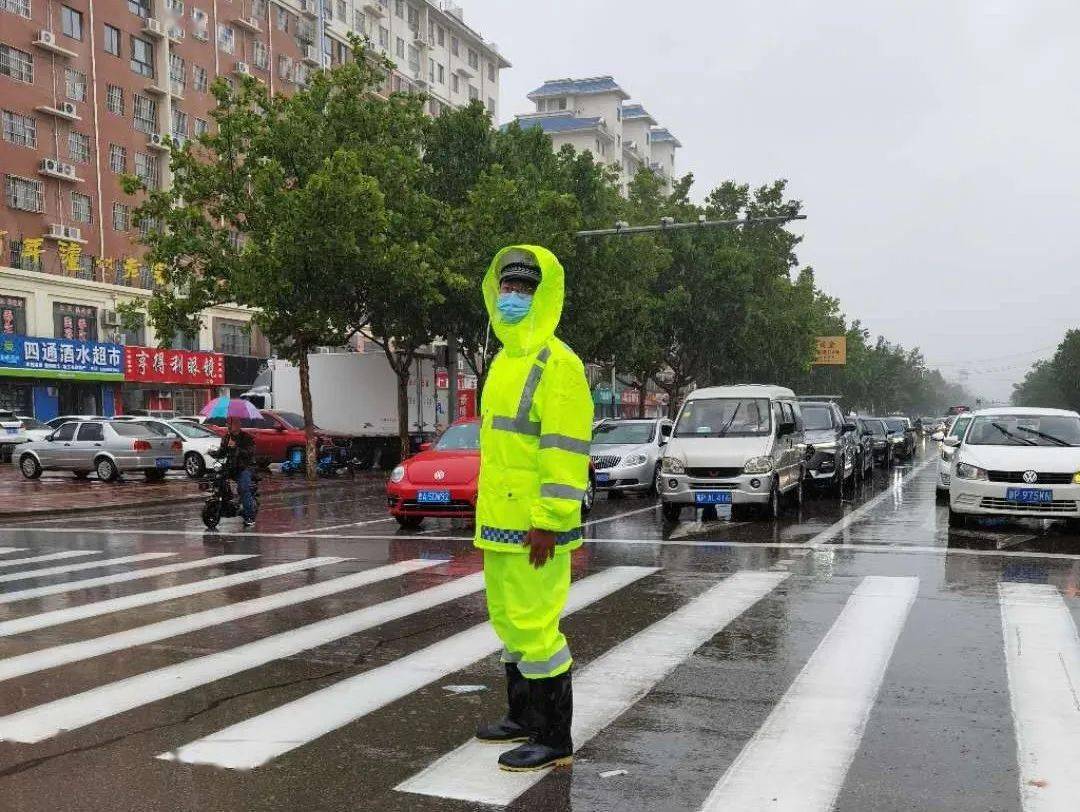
{"x": 11, "y": 431}
{"x": 163, "y": 462}
{"x": 712, "y": 497}
{"x": 433, "y": 497}
{"x": 1029, "y": 496}
{"x": 602, "y": 479}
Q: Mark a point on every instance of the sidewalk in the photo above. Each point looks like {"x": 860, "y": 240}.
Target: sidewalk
{"x": 60, "y": 493}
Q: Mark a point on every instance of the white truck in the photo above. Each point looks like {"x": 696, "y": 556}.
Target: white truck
{"x": 355, "y": 394}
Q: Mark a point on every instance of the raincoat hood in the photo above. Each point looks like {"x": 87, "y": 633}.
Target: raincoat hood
{"x": 540, "y": 322}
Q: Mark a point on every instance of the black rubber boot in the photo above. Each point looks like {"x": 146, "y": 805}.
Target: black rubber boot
{"x": 513, "y": 727}
{"x": 550, "y": 745}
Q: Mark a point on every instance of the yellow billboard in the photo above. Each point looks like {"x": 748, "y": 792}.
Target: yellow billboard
{"x": 831, "y": 351}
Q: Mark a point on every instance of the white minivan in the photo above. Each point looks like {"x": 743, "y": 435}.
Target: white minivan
{"x": 741, "y": 446}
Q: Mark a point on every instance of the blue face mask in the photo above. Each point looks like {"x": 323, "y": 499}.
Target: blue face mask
{"x": 514, "y": 306}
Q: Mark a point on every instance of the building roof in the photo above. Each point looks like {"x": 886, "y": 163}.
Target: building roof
{"x": 577, "y": 87}
{"x": 632, "y": 112}
{"x": 659, "y": 135}
{"x": 560, "y": 123}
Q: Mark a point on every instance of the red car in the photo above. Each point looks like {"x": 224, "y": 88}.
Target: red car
{"x": 276, "y": 434}
{"x": 440, "y": 481}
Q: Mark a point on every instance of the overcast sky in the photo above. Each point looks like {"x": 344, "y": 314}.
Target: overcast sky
{"x": 934, "y": 143}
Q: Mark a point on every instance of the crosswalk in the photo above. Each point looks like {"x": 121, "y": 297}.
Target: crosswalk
{"x": 797, "y": 759}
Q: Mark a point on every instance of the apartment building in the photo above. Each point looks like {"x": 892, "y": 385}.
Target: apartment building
{"x": 595, "y": 114}
{"x": 89, "y": 91}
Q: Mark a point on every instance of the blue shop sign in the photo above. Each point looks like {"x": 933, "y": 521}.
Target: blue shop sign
{"x": 26, "y": 357}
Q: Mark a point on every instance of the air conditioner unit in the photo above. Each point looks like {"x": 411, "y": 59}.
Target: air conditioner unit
{"x": 242, "y": 68}
{"x": 67, "y": 170}
{"x": 72, "y": 233}
{"x": 152, "y": 26}
{"x": 157, "y": 140}
{"x": 110, "y": 319}
{"x": 46, "y": 37}
{"x": 176, "y": 34}
{"x": 56, "y": 231}
{"x": 49, "y": 165}
{"x": 308, "y": 7}
{"x": 67, "y": 108}
{"x": 418, "y": 36}
{"x": 311, "y": 55}
{"x": 253, "y": 22}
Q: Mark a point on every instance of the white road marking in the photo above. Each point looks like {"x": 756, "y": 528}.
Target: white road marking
{"x": 622, "y": 515}
{"x": 6, "y": 550}
{"x": 470, "y": 773}
{"x": 87, "y": 610}
{"x": 1042, "y": 659}
{"x": 253, "y": 742}
{"x": 106, "y": 580}
{"x": 35, "y": 661}
{"x": 72, "y": 712}
{"x": 798, "y": 758}
{"x": 36, "y": 559}
{"x": 336, "y": 527}
{"x": 836, "y": 528}
{"x": 86, "y": 565}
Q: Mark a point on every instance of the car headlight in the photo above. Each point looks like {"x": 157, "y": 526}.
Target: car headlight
{"x": 946, "y": 455}
{"x": 1076, "y": 478}
{"x": 397, "y": 474}
{"x": 634, "y": 459}
{"x": 824, "y": 446}
{"x": 758, "y": 465}
{"x": 966, "y": 471}
{"x": 673, "y": 465}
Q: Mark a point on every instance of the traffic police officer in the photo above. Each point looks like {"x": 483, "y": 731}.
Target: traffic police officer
{"x": 534, "y": 454}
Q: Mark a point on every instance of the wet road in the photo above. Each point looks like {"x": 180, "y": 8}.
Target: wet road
{"x": 855, "y": 656}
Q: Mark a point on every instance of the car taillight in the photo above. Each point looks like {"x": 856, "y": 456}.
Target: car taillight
{"x": 177, "y": 446}
{"x": 141, "y": 445}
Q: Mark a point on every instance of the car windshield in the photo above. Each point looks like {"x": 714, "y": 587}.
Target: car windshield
{"x": 724, "y": 417}
{"x": 896, "y": 424}
{"x": 159, "y": 429}
{"x": 464, "y": 437}
{"x": 33, "y": 423}
{"x": 816, "y": 418}
{"x": 293, "y": 419}
{"x": 623, "y": 433}
{"x": 192, "y": 430}
{"x": 133, "y": 430}
{"x": 958, "y": 427}
{"x": 876, "y": 428}
{"x": 1025, "y": 429}
{"x": 7, "y": 417}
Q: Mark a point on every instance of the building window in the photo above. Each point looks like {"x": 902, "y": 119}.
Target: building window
{"x": 442, "y": 74}
{"x": 384, "y": 38}
{"x": 16, "y": 64}
{"x": 75, "y": 322}
{"x": 71, "y": 22}
{"x": 147, "y": 226}
{"x": 12, "y": 316}
{"x": 226, "y": 38}
{"x": 75, "y": 84}
{"x": 400, "y": 50}
{"x": 142, "y": 57}
{"x": 455, "y": 83}
{"x": 200, "y": 126}
{"x": 232, "y": 337}
{"x": 179, "y": 123}
{"x": 177, "y": 69}
{"x": 23, "y": 194}
{"x": 80, "y": 207}
{"x": 414, "y": 18}
{"x": 121, "y": 217}
{"x": 431, "y": 71}
{"x": 17, "y": 260}
{"x": 360, "y": 22}
{"x": 118, "y": 159}
{"x": 441, "y": 36}
{"x": 414, "y": 58}
{"x": 145, "y": 114}
{"x": 474, "y": 59}
{"x": 399, "y": 8}
{"x": 20, "y": 7}
{"x": 260, "y": 55}
{"x": 282, "y": 19}
{"x": 284, "y": 66}
{"x": 202, "y": 24}
{"x": 473, "y": 92}
{"x": 21, "y": 130}
{"x": 112, "y": 40}
{"x": 455, "y": 46}
{"x": 491, "y": 71}
{"x": 342, "y": 14}
{"x": 79, "y": 147}
{"x": 491, "y": 105}
{"x": 114, "y": 99}
{"x": 139, "y": 7}
{"x": 199, "y": 74}
{"x": 146, "y": 170}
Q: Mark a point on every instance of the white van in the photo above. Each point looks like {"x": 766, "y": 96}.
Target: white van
{"x": 735, "y": 445}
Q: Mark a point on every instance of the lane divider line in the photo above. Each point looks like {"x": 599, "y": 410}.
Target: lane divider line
{"x": 86, "y": 565}
{"x": 36, "y": 559}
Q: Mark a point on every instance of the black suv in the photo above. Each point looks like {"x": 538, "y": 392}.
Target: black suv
{"x": 832, "y": 448}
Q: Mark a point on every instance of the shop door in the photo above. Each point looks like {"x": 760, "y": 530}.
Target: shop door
{"x": 16, "y": 398}
{"x": 78, "y": 398}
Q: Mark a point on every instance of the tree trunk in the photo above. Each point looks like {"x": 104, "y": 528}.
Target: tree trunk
{"x": 641, "y": 400}
{"x": 310, "y": 454}
{"x": 403, "y": 408}
{"x": 451, "y": 380}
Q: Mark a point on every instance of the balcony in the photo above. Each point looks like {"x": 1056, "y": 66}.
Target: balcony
{"x": 374, "y": 7}
{"x": 176, "y": 33}
{"x": 64, "y": 110}
{"x": 156, "y": 88}
{"x": 311, "y": 56}
{"x": 248, "y": 23}
{"x": 65, "y": 233}
{"x": 46, "y": 41}
{"x": 465, "y": 71}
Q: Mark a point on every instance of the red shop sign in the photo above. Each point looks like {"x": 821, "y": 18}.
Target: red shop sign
{"x": 147, "y": 365}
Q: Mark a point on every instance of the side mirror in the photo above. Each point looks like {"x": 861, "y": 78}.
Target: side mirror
{"x": 849, "y": 427}
{"x": 50, "y": 437}
{"x": 425, "y": 446}
{"x": 938, "y": 436}
{"x": 951, "y": 442}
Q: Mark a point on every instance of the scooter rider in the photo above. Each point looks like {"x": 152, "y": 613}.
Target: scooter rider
{"x": 237, "y": 453}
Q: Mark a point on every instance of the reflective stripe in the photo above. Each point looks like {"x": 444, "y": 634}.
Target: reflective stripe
{"x": 516, "y": 426}
{"x": 542, "y": 669}
{"x": 556, "y": 491}
{"x": 520, "y": 424}
{"x": 509, "y": 656}
{"x": 518, "y": 536}
{"x": 565, "y": 443}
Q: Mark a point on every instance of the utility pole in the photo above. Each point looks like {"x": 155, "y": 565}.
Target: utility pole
{"x": 451, "y": 381}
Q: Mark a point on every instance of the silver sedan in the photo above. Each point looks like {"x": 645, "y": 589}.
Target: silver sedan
{"x": 100, "y": 446}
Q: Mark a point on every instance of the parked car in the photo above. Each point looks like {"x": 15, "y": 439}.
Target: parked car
{"x": 34, "y": 428}
{"x": 276, "y": 434}
{"x": 196, "y": 440}
{"x": 1019, "y": 462}
{"x": 864, "y": 440}
{"x": 945, "y": 458}
{"x": 626, "y": 454}
{"x": 11, "y": 434}
{"x": 102, "y": 446}
{"x": 902, "y": 437}
{"x": 440, "y": 481}
{"x": 735, "y": 445}
{"x": 883, "y": 447}
{"x": 57, "y": 422}
{"x": 832, "y": 448}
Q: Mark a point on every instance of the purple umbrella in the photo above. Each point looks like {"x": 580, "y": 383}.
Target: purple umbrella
{"x": 230, "y": 407}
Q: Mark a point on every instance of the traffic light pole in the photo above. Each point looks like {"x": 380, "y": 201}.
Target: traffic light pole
{"x": 669, "y": 224}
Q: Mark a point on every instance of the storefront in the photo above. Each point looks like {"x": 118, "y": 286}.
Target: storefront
{"x": 48, "y": 377}
{"x": 166, "y": 383}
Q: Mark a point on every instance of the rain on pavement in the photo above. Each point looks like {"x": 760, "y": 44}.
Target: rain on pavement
{"x": 854, "y": 657}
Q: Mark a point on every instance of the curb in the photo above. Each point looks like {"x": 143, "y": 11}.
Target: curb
{"x": 178, "y": 500}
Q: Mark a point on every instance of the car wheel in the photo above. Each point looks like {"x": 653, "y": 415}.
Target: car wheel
{"x": 155, "y": 475}
{"x": 589, "y": 499}
{"x": 941, "y": 496}
{"x": 957, "y": 519}
{"x": 194, "y": 465}
{"x": 796, "y": 498}
{"x": 30, "y": 467}
{"x": 1072, "y": 526}
{"x": 657, "y": 482}
{"x": 671, "y": 511}
{"x": 211, "y": 514}
{"x": 772, "y": 509}
{"x": 410, "y": 522}
{"x": 106, "y": 469}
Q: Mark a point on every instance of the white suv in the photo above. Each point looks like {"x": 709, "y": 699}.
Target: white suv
{"x": 12, "y": 434}
{"x": 1017, "y": 461}
{"x": 957, "y": 426}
